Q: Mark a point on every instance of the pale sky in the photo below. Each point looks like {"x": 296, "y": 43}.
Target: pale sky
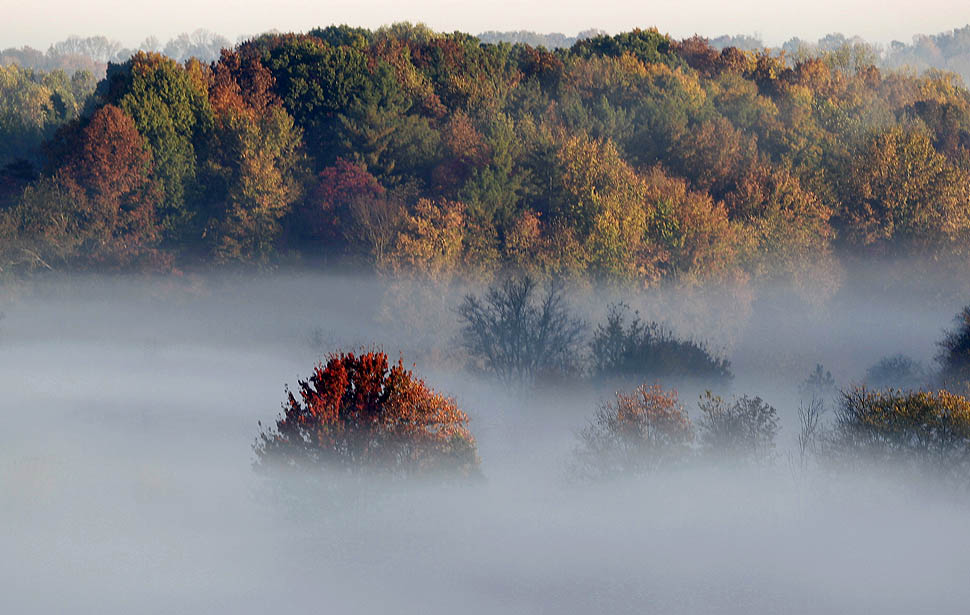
{"x": 40, "y": 22}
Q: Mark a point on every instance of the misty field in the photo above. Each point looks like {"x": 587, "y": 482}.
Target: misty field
{"x": 127, "y": 484}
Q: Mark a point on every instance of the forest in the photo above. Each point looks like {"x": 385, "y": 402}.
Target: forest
{"x": 632, "y": 158}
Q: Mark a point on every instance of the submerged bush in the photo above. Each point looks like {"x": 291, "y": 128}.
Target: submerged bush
{"x": 518, "y": 335}
{"x": 896, "y": 372}
{"x": 648, "y": 351}
{"x": 927, "y": 431}
{"x": 360, "y": 413}
{"x": 744, "y": 430}
{"x": 633, "y": 435}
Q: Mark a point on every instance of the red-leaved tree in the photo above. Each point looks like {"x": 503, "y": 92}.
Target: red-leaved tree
{"x": 362, "y": 413}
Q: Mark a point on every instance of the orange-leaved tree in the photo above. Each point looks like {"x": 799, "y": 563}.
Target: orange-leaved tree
{"x": 362, "y": 413}
{"x": 636, "y": 434}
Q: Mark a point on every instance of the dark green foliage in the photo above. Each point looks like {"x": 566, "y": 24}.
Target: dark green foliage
{"x": 649, "y": 351}
{"x": 519, "y": 335}
{"x": 172, "y": 112}
{"x": 645, "y": 45}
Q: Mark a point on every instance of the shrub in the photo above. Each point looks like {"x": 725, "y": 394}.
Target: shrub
{"x": 519, "y": 336}
{"x": 954, "y": 355}
{"x": 639, "y": 433}
{"x": 820, "y": 385}
{"x": 359, "y": 413}
{"x": 744, "y": 430}
{"x": 648, "y": 351}
{"x": 929, "y": 431}
{"x": 896, "y": 372}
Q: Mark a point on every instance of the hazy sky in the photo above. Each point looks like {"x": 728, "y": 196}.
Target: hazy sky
{"x": 40, "y": 22}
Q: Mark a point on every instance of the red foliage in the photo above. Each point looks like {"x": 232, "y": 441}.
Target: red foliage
{"x": 241, "y": 80}
{"x": 698, "y": 54}
{"x": 109, "y": 179}
{"x": 338, "y": 186}
{"x": 360, "y": 412}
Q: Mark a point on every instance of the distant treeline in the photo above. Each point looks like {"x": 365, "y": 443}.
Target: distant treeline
{"x": 946, "y": 51}
{"x": 632, "y": 157}
{"x": 93, "y": 53}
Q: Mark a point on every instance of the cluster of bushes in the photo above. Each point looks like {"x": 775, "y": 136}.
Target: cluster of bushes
{"x": 360, "y": 414}
{"x": 650, "y": 430}
{"x": 924, "y": 433}
{"x": 524, "y": 334}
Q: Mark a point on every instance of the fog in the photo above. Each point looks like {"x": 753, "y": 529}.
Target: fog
{"x": 130, "y": 407}
{"x": 40, "y": 22}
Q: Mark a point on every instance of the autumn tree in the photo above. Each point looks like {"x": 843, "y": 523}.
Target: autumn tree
{"x": 431, "y": 240}
{"x": 100, "y": 208}
{"x": 923, "y": 431}
{"x": 325, "y": 213}
{"x": 361, "y": 413}
{"x": 634, "y": 435}
{"x": 255, "y": 160}
{"x": 170, "y": 107}
{"x": 901, "y": 189}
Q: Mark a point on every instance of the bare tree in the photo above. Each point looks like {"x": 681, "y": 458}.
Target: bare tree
{"x": 517, "y": 335}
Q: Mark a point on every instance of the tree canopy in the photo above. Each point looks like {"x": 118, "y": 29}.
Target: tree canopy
{"x": 634, "y": 157}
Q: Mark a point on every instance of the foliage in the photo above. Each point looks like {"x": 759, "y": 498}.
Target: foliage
{"x": 431, "y": 239}
{"x": 898, "y": 371}
{"x": 649, "y": 351}
{"x": 518, "y": 335}
{"x": 33, "y": 105}
{"x": 254, "y": 164}
{"x": 633, "y": 435}
{"x": 100, "y": 209}
{"x": 359, "y": 413}
{"x": 744, "y": 430}
{"x": 925, "y": 430}
{"x": 954, "y": 355}
{"x": 171, "y": 110}
{"x": 626, "y": 158}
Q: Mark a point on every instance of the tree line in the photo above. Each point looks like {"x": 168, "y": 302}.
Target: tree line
{"x": 636, "y": 158}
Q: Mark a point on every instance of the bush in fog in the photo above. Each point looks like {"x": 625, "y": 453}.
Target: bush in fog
{"x": 896, "y": 372}
{"x": 633, "y": 435}
{"x": 744, "y": 430}
{"x": 954, "y": 356}
{"x": 359, "y": 412}
{"x": 520, "y": 333}
{"x": 648, "y": 351}
{"x": 820, "y": 384}
{"x": 929, "y": 431}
